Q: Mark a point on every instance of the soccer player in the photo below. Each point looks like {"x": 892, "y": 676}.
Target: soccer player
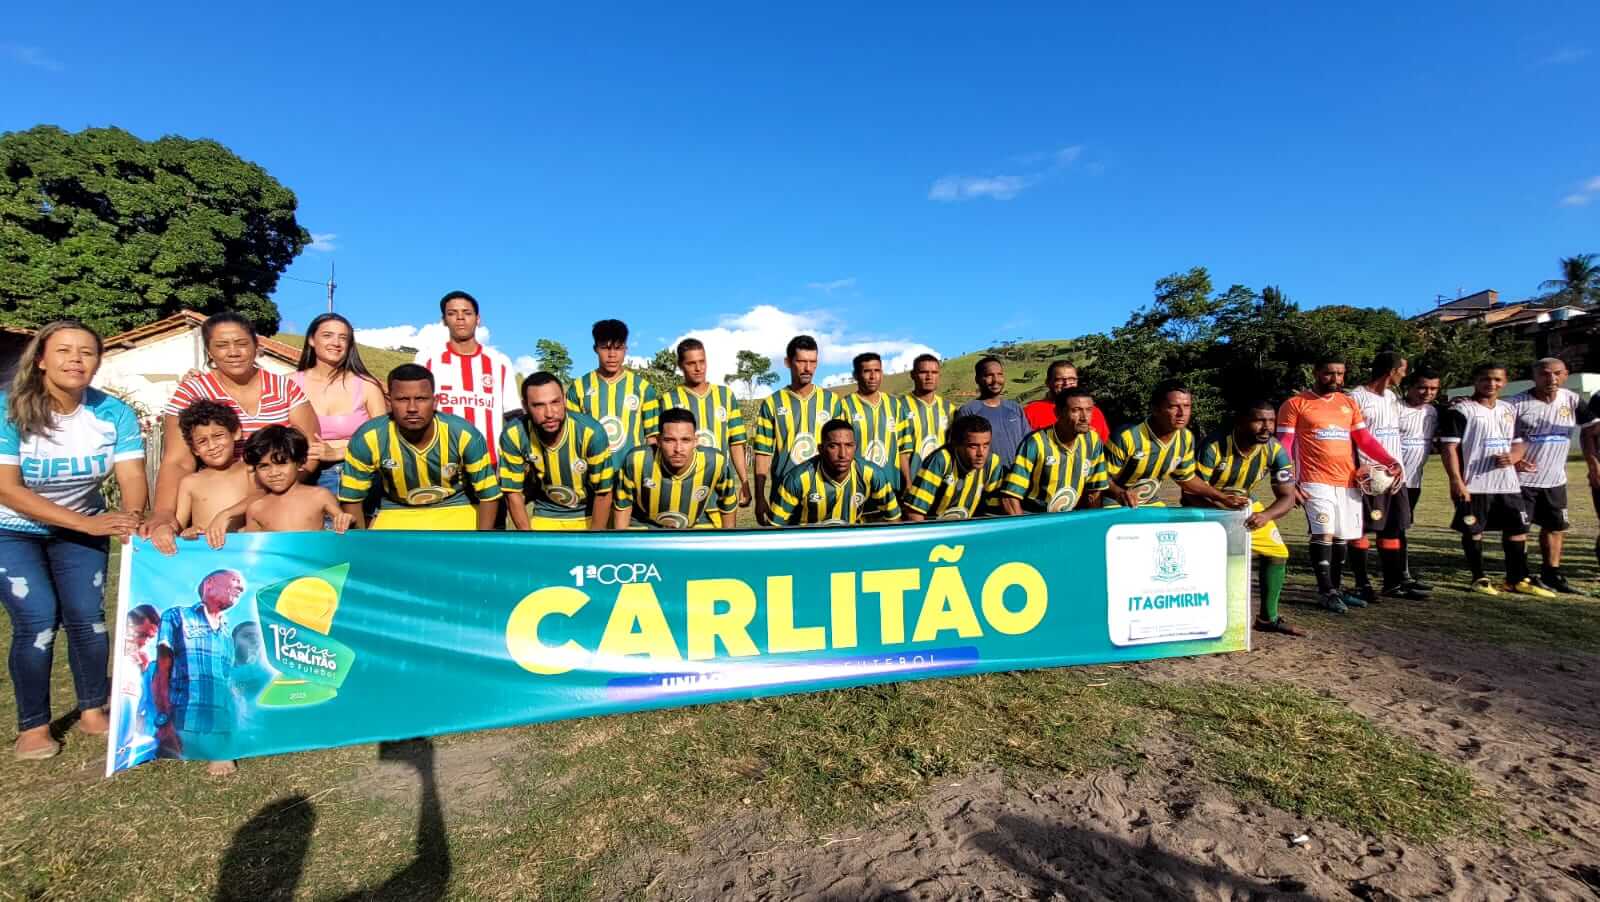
{"x": 559, "y": 459}
{"x": 835, "y": 487}
{"x": 623, "y": 402}
{"x": 432, "y": 468}
{"x": 959, "y": 481}
{"x": 1004, "y": 415}
{"x": 1546, "y": 415}
{"x": 470, "y": 381}
{"x": 1060, "y": 467}
{"x": 1321, "y": 428}
{"x": 1234, "y": 461}
{"x": 715, "y": 409}
{"x": 1161, "y": 446}
{"x": 788, "y": 428}
{"x": 1041, "y": 414}
{"x": 1480, "y": 446}
{"x": 1387, "y": 514}
{"x": 679, "y": 483}
{"x": 927, "y": 414}
{"x": 1419, "y": 420}
{"x": 880, "y": 420}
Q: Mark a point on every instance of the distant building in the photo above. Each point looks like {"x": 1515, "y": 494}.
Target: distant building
{"x": 144, "y": 365}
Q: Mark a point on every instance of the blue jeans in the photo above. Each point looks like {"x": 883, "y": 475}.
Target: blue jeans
{"x": 46, "y": 582}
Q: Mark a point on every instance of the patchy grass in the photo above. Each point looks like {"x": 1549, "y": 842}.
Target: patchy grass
{"x": 379, "y": 361}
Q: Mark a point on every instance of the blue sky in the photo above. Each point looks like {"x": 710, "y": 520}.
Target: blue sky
{"x": 904, "y": 177}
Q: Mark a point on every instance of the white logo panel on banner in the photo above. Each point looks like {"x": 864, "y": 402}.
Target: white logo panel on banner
{"x": 1167, "y": 582}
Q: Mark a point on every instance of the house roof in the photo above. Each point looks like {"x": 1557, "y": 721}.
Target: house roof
{"x": 186, "y": 321}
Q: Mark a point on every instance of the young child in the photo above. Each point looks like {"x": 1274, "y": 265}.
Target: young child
{"x": 277, "y": 453}
{"x": 222, "y": 481}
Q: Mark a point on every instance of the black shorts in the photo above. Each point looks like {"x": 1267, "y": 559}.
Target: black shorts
{"x": 1386, "y": 514}
{"x": 1547, "y": 508}
{"x": 1492, "y": 511}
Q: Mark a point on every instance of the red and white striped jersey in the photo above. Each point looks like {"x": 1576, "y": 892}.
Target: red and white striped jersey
{"x": 479, "y": 388}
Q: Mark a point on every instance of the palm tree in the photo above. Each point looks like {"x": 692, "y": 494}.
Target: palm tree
{"x": 1579, "y": 284}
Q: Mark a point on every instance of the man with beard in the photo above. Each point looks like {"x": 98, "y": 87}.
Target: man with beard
{"x": 960, "y": 481}
{"x": 835, "y": 488}
{"x": 559, "y": 460}
{"x": 1140, "y": 455}
{"x": 678, "y": 484}
{"x": 432, "y": 469}
{"x": 1004, "y": 415}
{"x": 1060, "y": 467}
{"x": 1234, "y": 462}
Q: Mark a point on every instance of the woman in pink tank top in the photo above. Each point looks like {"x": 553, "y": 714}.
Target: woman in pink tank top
{"x": 341, "y": 390}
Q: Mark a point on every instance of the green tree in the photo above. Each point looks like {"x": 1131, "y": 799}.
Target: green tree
{"x": 553, "y": 358}
{"x": 1579, "y": 284}
{"x": 119, "y": 232}
{"x": 752, "y": 369}
{"x": 663, "y": 371}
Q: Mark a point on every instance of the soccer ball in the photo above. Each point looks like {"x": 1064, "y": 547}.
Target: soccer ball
{"x": 1374, "y": 480}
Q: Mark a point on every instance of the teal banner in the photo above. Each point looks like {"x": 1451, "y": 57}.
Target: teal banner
{"x": 294, "y": 641}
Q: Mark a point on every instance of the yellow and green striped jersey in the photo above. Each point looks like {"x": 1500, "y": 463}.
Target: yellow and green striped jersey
{"x": 1234, "y": 470}
{"x": 808, "y": 497}
{"x": 789, "y": 428}
{"x": 926, "y": 425}
{"x": 452, "y": 469}
{"x": 626, "y": 409}
{"x": 943, "y": 489}
{"x": 663, "y": 501}
{"x": 1137, "y": 461}
{"x": 559, "y": 480}
{"x": 1048, "y": 476}
{"x": 881, "y": 435}
{"x": 718, "y": 420}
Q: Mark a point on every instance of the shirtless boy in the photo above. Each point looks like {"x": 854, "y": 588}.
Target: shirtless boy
{"x": 277, "y": 454}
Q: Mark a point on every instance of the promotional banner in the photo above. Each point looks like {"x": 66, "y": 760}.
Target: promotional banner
{"x": 286, "y": 642}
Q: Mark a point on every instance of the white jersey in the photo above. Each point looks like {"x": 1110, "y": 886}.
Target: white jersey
{"x": 1547, "y": 428}
{"x": 68, "y": 462}
{"x": 1417, "y": 426}
{"x": 1481, "y": 433}
{"x": 1382, "y": 413}
{"x": 478, "y": 388}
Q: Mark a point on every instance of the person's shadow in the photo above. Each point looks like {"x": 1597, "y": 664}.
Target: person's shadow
{"x": 267, "y": 855}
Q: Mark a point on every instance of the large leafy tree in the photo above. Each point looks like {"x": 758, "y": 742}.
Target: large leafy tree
{"x": 752, "y": 369}
{"x": 117, "y": 232}
{"x": 662, "y": 370}
{"x": 1579, "y": 284}
{"x": 553, "y": 358}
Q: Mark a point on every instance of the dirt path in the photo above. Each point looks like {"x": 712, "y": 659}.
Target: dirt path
{"x": 1525, "y": 724}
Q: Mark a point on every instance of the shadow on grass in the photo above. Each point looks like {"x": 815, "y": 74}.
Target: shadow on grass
{"x": 268, "y": 854}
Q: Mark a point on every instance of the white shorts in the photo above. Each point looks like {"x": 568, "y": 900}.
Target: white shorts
{"x": 1334, "y": 509}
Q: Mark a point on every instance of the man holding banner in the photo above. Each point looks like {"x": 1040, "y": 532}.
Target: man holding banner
{"x": 560, "y": 458}
{"x": 678, "y": 484}
{"x": 1061, "y": 467}
{"x": 788, "y": 426}
{"x": 835, "y": 488}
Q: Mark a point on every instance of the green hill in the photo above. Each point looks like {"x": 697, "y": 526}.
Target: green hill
{"x": 1026, "y": 362}
{"x": 378, "y": 360}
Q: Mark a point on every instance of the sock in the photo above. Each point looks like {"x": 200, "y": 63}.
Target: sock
{"x": 1474, "y": 549}
{"x": 1516, "y": 560}
{"x": 1358, "y": 561}
{"x": 1392, "y": 556}
{"x": 1322, "y": 565}
{"x": 1336, "y": 571}
{"x": 1405, "y": 559}
{"x": 1273, "y": 570}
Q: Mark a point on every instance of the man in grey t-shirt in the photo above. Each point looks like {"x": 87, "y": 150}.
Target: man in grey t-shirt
{"x": 1004, "y": 415}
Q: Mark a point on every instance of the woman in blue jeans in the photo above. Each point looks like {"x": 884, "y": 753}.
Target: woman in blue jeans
{"x": 58, "y": 443}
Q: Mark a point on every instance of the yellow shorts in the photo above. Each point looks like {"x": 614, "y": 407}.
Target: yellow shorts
{"x": 1265, "y": 540}
{"x": 558, "y": 524}
{"x": 456, "y": 517}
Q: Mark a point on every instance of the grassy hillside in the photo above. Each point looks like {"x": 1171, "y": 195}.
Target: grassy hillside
{"x": 1025, "y": 362}
{"x": 379, "y": 360}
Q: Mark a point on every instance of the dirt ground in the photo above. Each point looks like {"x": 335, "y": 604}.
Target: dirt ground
{"x": 1526, "y": 725}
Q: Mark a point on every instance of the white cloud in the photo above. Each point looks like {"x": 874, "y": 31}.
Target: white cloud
{"x": 24, "y": 55}
{"x": 835, "y": 285}
{"x": 1586, "y": 192}
{"x": 766, "y": 329}
{"x": 837, "y": 380}
{"x": 1005, "y": 187}
{"x": 434, "y": 335}
{"x": 322, "y": 241}
{"x": 1566, "y": 56}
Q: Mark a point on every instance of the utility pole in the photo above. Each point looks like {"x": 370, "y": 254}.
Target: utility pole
{"x": 330, "y": 286}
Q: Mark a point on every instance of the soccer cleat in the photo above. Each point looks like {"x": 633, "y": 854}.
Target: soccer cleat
{"x": 1404, "y": 590}
{"x": 1352, "y": 600}
{"x": 1529, "y": 587}
{"x": 1279, "y": 626}
{"x": 1556, "y": 581}
{"x": 1482, "y": 586}
{"x": 1415, "y": 583}
{"x": 1366, "y": 593}
{"x": 1332, "y": 603}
